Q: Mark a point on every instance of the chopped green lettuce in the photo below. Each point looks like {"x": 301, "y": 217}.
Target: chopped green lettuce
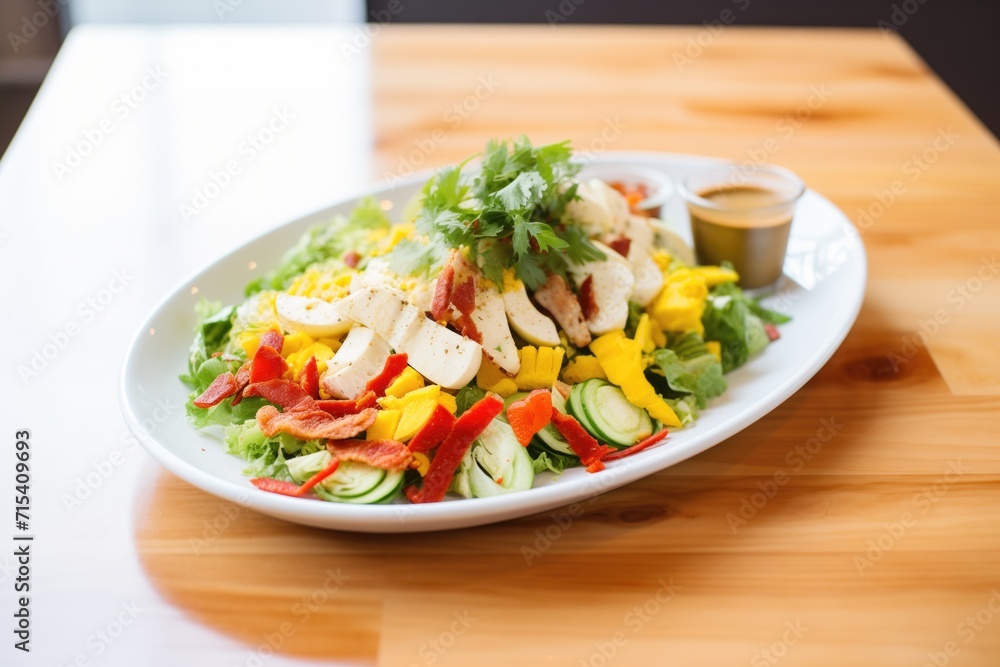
{"x": 326, "y": 242}
{"x": 268, "y": 457}
{"x": 689, "y": 368}
{"x": 737, "y": 322}
{"x": 468, "y": 396}
{"x": 547, "y": 461}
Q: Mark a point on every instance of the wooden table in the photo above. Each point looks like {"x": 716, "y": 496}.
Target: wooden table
{"x": 880, "y": 546}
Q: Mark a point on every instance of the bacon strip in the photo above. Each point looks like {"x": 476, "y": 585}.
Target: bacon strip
{"x": 272, "y": 338}
{"x": 223, "y": 386}
{"x": 309, "y": 423}
{"x": 556, "y": 298}
{"x": 385, "y": 454}
{"x": 285, "y": 393}
{"x": 339, "y": 408}
{"x": 242, "y": 380}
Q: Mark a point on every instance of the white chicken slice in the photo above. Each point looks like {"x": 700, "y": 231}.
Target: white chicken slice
{"x": 611, "y": 283}
{"x": 361, "y": 357}
{"x": 436, "y": 352}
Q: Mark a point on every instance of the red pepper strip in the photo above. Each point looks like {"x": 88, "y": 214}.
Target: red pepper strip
{"x": 222, "y": 387}
{"x": 466, "y": 429}
{"x": 530, "y": 415}
{"x": 267, "y": 365}
{"x": 273, "y": 339}
{"x": 394, "y": 365}
{"x": 318, "y": 477}
{"x": 582, "y": 443}
{"x": 285, "y": 393}
{"x": 621, "y": 245}
{"x": 242, "y": 380}
{"x": 276, "y": 486}
{"x": 442, "y": 292}
{"x": 772, "y": 332}
{"x": 340, "y": 408}
{"x": 636, "y": 448}
{"x": 309, "y": 379}
{"x": 433, "y": 432}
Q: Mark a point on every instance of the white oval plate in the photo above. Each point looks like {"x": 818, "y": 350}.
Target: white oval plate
{"x": 822, "y": 289}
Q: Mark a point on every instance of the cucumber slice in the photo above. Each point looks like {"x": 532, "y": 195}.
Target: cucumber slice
{"x": 353, "y": 479}
{"x": 302, "y": 468}
{"x": 384, "y": 492}
{"x": 574, "y": 406}
{"x": 615, "y": 419}
{"x": 495, "y": 455}
{"x": 549, "y": 437}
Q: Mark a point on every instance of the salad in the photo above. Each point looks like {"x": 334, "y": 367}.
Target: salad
{"x": 516, "y": 322}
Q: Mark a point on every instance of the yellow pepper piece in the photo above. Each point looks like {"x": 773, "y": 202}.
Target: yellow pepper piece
{"x": 430, "y": 393}
{"x": 295, "y": 342}
{"x": 298, "y": 360}
{"x": 491, "y": 378}
{"x": 249, "y": 341}
{"x": 644, "y": 334}
{"x": 423, "y": 463}
{"x": 415, "y": 414}
{"x": 715, "y": 348}
{"x": 715, "y": 275}
{"x": 662, "y": 259}
{"x": 385, "y": 425}
{"x": 539, "y": 367}
{"x": 408, "y": 381}
{"x": 621, "y": 359}
{"x": 331, "y": 343}
{"x": 583, "y": 367}
{"x": 681, "y": 303}
{"x": 448, "y": 401}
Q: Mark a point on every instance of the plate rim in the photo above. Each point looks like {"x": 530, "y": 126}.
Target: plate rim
{"x": 405, "y": 518}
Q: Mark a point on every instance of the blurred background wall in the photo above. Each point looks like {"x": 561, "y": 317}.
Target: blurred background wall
{"x": 958, "y": 39}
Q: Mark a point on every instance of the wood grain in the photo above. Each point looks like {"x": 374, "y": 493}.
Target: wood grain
{"x": 877, "y": 546}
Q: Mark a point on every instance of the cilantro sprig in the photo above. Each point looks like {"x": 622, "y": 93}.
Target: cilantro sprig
{"x": 508, "y": 213}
